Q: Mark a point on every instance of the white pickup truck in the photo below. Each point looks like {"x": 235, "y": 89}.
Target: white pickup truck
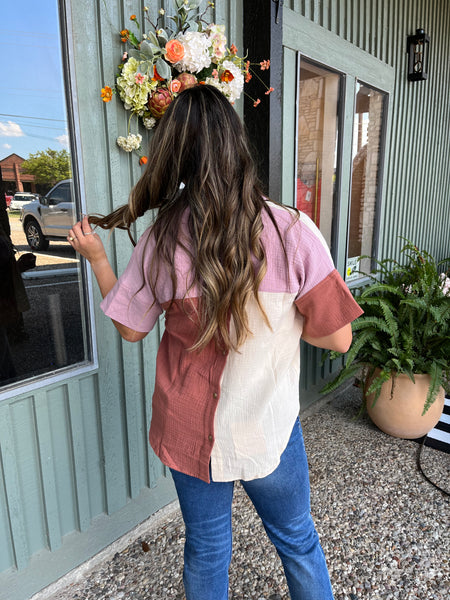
{"x": 50, "y": 218}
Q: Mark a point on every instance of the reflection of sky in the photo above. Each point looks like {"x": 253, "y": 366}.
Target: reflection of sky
{"x": 32, "y": 111}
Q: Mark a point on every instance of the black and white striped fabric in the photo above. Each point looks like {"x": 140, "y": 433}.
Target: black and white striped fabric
{"x": 439, "y": 437}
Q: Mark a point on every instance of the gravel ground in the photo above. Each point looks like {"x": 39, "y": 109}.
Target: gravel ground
{"x": 384, "y": 529}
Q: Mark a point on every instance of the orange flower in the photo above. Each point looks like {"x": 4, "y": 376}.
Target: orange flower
{"x": 248, "y": 76}
{"x": 133, "y": 18}
{"x": 269, "y": 91}
{"x": 256, "y": 102}
{"x": 227, "y": 76}
{"x": 175, "y": 86}
{"x": 156, "y": 75}
{"x": 265, "y": 64}
{"x": 143, "y": 160}
{"x": 233, "y": 49}
{"x": 124, "y": 35}
{"x": 174, "y": 51}
{"x": 106, "y": 93}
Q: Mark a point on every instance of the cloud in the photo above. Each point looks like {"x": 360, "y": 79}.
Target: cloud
{"x": 63, "y": 140}
{"x": 10, "y": 129}
{"x": 7, "y": 146}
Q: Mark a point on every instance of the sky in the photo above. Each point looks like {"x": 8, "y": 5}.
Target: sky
{"x": 32, "y": 106}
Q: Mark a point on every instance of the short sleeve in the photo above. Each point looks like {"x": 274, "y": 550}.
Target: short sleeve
{"x": 131, "y": 301}
{"x": 323, "y": 298}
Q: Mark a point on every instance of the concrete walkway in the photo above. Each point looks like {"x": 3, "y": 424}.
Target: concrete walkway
{"x": 384, "y": 529}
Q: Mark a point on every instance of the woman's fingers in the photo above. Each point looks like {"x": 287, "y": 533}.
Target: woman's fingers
{"x": 85, "y": 241}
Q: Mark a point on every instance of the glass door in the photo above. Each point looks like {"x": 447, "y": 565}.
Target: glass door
{"x": 318, "y": 128}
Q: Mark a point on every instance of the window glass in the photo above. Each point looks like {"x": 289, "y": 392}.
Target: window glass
{"x": 317, "y": 146}
{"x": 366, "y": 152}
{"x": 43, "y": 317}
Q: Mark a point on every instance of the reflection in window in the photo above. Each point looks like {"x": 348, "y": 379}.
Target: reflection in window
{"x": 42, "y": 306}
{"x": 367, "y": 128}
{"x": 318, "y": 109}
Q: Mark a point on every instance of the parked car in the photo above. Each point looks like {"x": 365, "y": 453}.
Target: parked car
{"x": 20, "y": 199}
{"x": 50, "y": 218}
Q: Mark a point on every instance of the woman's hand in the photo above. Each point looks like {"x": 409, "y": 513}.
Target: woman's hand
{"x": 86, "y": 242}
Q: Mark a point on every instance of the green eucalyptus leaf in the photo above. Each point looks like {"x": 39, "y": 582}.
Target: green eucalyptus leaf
{"x": 192, "y": 25}
{"x": 134, "y": 54}
{"x": 163, "y": 68}
{"x": 163, "y": 37}
{"x": 145, "y": 66}
{"x": 152, "y": 38}
{"x": 146, "y": 49}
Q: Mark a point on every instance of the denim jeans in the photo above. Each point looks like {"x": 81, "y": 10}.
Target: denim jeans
{"x": 282, "y": 502}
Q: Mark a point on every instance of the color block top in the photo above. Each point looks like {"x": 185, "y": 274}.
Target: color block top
{"x": 234, "y": 411}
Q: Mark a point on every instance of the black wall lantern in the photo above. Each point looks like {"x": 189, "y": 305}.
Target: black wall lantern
{"x": 418, "y": 47}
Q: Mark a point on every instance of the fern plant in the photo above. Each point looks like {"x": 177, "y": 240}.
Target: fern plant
{"x": 405, "y": 327}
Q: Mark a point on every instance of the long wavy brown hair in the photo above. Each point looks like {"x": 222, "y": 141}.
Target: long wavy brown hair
{"x": 201, "y": 143}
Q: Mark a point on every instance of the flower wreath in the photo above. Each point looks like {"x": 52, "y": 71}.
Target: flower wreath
{"x": 189, "y": 51}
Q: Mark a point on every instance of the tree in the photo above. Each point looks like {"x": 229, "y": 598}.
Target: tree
{"x": 49, "y": 166}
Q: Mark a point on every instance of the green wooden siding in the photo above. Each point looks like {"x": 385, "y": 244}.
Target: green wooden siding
{"x": 76, "y": 468}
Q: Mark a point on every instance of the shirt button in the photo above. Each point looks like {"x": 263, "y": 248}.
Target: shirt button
{"x": 210, "y": 437}
{"x": 215, "y": 395}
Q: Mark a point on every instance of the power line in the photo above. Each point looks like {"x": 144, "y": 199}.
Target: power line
{"x": 28, "y": 117}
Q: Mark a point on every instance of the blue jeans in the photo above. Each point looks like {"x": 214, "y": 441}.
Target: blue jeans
{"x": 281, "y": 500}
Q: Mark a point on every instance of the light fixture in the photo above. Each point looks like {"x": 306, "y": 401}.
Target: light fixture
{"x": 418, "y": 48}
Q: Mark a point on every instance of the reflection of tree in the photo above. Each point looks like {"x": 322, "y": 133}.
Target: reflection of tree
{"x": 48, "y": 166}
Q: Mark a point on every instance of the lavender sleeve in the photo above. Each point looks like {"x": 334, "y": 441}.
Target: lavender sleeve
{"x": 131, "y": 301}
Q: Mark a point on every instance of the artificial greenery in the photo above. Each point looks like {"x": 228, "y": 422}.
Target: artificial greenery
{"x": 405, "y": 327}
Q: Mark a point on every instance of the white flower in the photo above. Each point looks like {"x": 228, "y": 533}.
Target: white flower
{"x": 130, "y": 143}
{"x": 218, "y": 41}
{"x": 233, "y": 89}
{"x": 149, "y": 122}
{"x": 134, "y": 95}
{"x": 196, "y": 52}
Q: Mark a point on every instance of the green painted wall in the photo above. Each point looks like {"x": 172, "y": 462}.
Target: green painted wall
{"x": 76, "y": 469}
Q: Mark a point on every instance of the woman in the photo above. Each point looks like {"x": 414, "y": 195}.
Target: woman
{"x": 240, "y": 280}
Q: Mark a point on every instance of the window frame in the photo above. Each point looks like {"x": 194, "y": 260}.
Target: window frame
{"x": 303, "y": 38}
{"x": 55, "y": 377}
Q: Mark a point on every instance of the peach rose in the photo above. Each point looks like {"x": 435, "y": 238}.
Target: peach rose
{"x": 174, "y": 51}
{"x": 175, "y": 86}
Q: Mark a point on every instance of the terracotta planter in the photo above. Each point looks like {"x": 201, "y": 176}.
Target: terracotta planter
{"x": 401, "y": 415}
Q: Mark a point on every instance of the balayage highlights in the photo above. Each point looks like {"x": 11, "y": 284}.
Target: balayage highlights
{"x": 201, "y": 143}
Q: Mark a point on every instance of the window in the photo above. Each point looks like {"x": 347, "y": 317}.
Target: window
{"x": 366, "y": 151}
{"x": 339, "y": 149}
{"x": 317, "y": 144}
{"x": 44, "y": 324}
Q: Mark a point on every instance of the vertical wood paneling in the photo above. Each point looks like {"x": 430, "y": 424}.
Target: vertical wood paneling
{"x": 19, "y": 549}
{"x": 6, "y": 554}
{"x": 47, "y": 457}
{"x": 76, "y": 450}
{"x": 80, "y": 456}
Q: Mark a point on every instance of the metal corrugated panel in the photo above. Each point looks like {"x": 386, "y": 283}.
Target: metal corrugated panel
{"x": 417, "y": 200}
